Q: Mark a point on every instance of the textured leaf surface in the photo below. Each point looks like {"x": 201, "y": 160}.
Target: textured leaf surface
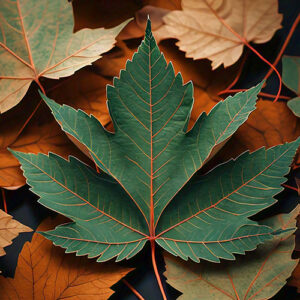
{"x": 291, "y": 78}
{"x": 269, "y": 125}
{"x": 294, "y": 105}
{"x": 37, "y": 39}
{"x": 42, "y": 134}
{"x": 9, "y": 229}
{"x": 152, "y": 156}
{"x": 258, "y": 275}
{"x": 201, "y": 34}
{"x": 45, "y": 272}
{"x": 291, "y": 73}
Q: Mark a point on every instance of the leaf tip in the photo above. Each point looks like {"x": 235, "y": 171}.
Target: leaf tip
{"x": 148, "y": 26}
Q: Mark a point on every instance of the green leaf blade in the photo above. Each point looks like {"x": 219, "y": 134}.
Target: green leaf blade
{"x": 257, "y": 275}
{"x": 217, "y": 206}
{"x": 150, "y": 108}
{"x": 104, "y": 217}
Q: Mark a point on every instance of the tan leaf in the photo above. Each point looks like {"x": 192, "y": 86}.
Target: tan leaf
{"x": 9, "y": 229}
{"x": 257, "y": 275}
{"x": 44, "y": 271}
{"x": 201, "y": 33}
{"x": 37, "y": 40}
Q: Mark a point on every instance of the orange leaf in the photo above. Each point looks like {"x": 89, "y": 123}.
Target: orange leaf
{"x": 46, "y": 272}
{"x": 42, "y": 134}
{"x": 9, "y": 229}
{"x": 269, "y": 125}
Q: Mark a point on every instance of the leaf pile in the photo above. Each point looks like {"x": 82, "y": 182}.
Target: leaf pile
{"x": 45, "y": 272}
{"x": 134, "y": 154}
{"x": 9, "y": 229}
{"x": 258, "y": 275}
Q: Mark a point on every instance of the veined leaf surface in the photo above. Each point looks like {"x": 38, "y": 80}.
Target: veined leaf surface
{"x": 201, "y": 27}
{"x": 37, "y": 39}
{"x": 147, "y": 161}
{"x": 258, "y": 275}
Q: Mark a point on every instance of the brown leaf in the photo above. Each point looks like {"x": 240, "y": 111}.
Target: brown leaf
{"x": 40, "y": 42}
{"x": 269, "y": 125}
{"x": 46, "y": 272}
{"x": 295, "y": 279}
{"x": 103, "y": 13}
{"x": 9, "y": 229}
{"x": 256, "y": 275}
{"x": 201, "y": 32}
{"x": 42, "y": 134}
{"x": 87, "y": 91}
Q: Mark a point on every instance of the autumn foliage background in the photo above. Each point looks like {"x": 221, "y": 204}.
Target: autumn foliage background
{"x": 30, "y": 127}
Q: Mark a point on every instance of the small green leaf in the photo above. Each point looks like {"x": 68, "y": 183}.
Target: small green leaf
{"x": 146, "y": 190}
{"x": 291, "y": 73}
{"x": 294, "y": 105}
{"x": 258, "y": 275}
{"x": 37, "y": 39}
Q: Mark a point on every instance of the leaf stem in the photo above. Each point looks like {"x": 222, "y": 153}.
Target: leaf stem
{"x": 152, "y": 242}
{"x": 34, "y": 111}
{"x": 245, "y": 42}
{"x": 238, "y": 75}
{"x": 290, "y": 187}
{"x": 138, "y": 295}
{"x": 4, "y": 199}
{"x": 272, "y": 67}
{"x": 296, "y": 22}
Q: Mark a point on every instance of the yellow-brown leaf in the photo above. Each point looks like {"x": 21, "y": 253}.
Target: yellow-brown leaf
{"x": 46, "y": 272}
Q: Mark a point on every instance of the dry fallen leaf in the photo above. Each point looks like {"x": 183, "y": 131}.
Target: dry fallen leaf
{"x": 44, "y": 271}
{"x": 42, "y": 134}
{"x": 37, "y": 40}
{"x": 269, "y": 125}
{"x": 87, "y": 91}
{"x": 9, "y": 229}
{"x": 103, "y": 13}
{"x": 201, "y": 33}
{"x": 254, "y": 276}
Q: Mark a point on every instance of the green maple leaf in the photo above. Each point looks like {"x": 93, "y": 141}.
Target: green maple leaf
{"x": 37, "y": 40}
{"x": 258, "y": 275}
{"x": 144, "y": 192}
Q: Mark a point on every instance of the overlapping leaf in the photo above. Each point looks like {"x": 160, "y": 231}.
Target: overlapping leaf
{"x": 9, "y": 229}
{"x": 201, "y": 32}
{"x": 45, "y": 272}
{"x": 269, "y": 125}
{"x": 147, "y": 161}
{"x": 36, "y": 39}
{"x": 42, "y": 134}
{"x": 258, "y": 275}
